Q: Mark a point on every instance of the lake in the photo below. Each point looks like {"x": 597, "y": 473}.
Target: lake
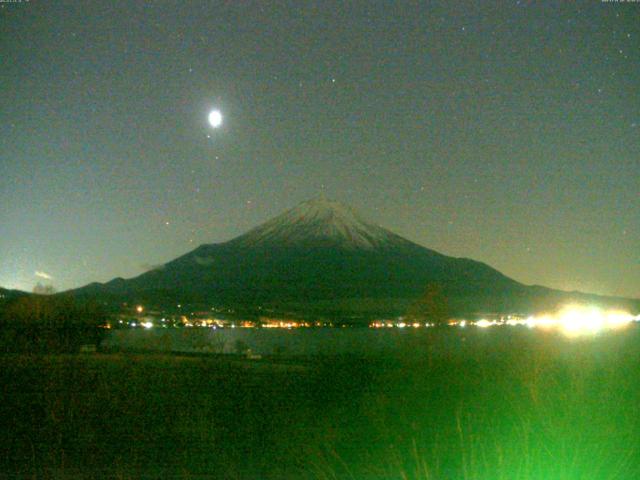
{"x": 336, "y": 341}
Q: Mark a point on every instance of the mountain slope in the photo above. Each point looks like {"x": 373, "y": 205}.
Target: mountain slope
{"x": 6, "y": 294}
{"x": 9, "y": 296}
{"x": 322, "y": 258}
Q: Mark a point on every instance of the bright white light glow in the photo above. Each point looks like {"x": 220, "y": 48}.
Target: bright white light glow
{"x": 215, "y": 118}
{"x": 579, "y": 320}
{"x": 572, "y": 320}
{"x": 484, "y": 323}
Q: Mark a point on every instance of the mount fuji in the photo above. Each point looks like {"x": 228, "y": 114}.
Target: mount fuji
{"x": 321, "y": 258}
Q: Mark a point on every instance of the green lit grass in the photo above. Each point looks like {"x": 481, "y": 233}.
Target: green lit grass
{"x": 503, "y": 405}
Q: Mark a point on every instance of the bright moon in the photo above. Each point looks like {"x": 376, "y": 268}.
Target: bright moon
{"x": 215, "y": 118}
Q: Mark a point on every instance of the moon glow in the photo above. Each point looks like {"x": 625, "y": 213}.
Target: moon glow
{"x": 215, "y": 118}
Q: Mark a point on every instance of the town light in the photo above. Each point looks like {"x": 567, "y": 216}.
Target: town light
{"x": 572, "y": 320}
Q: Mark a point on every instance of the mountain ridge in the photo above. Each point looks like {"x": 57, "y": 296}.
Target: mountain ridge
{"x": 320, "y": 257}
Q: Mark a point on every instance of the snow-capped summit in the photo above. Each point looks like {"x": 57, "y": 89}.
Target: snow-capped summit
{"x": 319, "y": 221}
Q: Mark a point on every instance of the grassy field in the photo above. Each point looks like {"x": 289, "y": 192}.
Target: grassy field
{"x": 515, "y": 405}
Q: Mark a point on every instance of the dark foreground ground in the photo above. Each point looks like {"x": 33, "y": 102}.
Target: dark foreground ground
{"x": 514, "y": 405}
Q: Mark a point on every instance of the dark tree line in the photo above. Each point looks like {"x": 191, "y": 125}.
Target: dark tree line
{"x": 37, "y": 323}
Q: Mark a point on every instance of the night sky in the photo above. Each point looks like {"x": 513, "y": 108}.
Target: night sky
{"x": 506, "y": 133}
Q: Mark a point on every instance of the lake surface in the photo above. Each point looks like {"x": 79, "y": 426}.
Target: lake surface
{"x": 342, "y": 341}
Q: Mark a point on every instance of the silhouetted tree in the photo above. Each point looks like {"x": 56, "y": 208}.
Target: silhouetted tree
{"x": 41, "y": 289}
{"x": 45, "y": 323}
{"x": 432, "y": 306}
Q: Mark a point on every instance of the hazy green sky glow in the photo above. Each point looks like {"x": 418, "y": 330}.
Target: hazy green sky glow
{"x": 508, "y": 133}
